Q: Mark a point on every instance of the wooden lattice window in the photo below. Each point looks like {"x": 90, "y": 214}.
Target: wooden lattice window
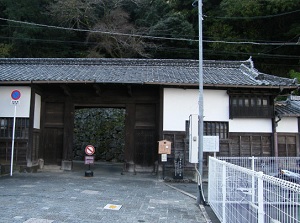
{"x": 251, "y": 106}
{"x": 21, "y": 128}
{"x": 216, "y": 129}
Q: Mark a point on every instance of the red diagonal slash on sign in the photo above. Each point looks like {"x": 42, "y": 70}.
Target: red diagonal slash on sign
{"x": 89, "y": 150}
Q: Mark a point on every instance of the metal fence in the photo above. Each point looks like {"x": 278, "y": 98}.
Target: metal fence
{"x": 237, "y": 194}
{"x": 272, "y": 166}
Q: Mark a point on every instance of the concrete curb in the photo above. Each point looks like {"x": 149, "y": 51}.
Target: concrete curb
{"x": 201, "y": 207}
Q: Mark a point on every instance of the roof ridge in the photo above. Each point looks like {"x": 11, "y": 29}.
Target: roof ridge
{"x": 123, "y": 62}
{"x": 294, "y": 98}
{"x": 97, "y": 61}
{"x": 225, "y": 63}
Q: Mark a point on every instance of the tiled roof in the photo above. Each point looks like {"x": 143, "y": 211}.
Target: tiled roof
{"x": 136, "y": 71}
{"x": 290, "y": 107}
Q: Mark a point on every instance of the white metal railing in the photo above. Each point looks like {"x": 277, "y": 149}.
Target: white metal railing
{"x": 268, "y": 165}
{"x": 237, "y": 194}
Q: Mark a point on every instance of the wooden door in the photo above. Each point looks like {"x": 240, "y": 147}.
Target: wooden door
{"x": 53, "y": 145}
{"x": 53, "y": 133}
{"x": 287, "y": 144}
{"x": 145, "y": 137}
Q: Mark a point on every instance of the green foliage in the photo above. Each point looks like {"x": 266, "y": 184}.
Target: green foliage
{"x": 295, "y": 74}
{"x": 147, "y": 13}
{"x": 174, "y": 26}
{"x": 254, "y": 21}
{"x": 5, "y": 50}
{"x": 103, "y": 128}
{"x": 224, "y": 21}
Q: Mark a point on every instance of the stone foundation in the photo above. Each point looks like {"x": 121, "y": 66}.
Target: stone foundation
{"x": 66, "y": 165}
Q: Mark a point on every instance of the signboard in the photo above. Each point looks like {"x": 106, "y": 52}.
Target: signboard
{"x": 164, "y": 147}
{"x": 211, "y": 144}
{"x": 178, "y": 174}
{"x": 89, "y": 150}
{"x": 15, "y": 102}
{"x": 10, "y": 95}
{"x": 89, "y": 160}
{"x": 164, "y": 157}
{"x": 15, "y": 96}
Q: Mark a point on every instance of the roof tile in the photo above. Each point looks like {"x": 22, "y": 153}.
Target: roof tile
{"x": 136, "y": 71}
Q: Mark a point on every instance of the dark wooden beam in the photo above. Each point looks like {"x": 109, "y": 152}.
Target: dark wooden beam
{"x": 67, "y": 90}
{"x": 129, "y": 90}
{"x": 97, "y": 89}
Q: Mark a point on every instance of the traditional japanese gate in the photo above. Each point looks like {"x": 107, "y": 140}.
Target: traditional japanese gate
{"x": 141, "y": 120}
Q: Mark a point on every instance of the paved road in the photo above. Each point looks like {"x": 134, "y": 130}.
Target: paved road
{"x": 108, "y": 196}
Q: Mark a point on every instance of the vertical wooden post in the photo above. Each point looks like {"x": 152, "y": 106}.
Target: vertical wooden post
{"x": 68, "y": 129}
{"x": 29, "y": 152}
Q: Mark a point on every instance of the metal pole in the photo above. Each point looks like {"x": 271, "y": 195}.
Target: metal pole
{"x": 200, "y": 199}
{"x": 13, "y": 142}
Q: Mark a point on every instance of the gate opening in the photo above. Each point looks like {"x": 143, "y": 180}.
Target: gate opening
{"x": 104, "y": 128}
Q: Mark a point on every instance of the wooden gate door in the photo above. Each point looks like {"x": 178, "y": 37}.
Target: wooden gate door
{"x": 146, "y": 147}
{"x": 53, "y": 133}
{"x": 145, "y": 135}
{"x": 53, "y": 145}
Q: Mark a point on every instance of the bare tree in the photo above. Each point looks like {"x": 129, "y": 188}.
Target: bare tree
{"x": 74, "y": 13}
{"x": 112, "y": 43}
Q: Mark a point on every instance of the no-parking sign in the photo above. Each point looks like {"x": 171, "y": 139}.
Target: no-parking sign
{"x": 15, "y": 96}
{"x": 89, "y": 150}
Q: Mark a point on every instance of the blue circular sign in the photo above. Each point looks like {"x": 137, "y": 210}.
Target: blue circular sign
{"x": 15, "y": 95}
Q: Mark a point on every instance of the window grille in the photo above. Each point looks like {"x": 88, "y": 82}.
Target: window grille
{"x": 251, "y": 106}
{"x": 21, "y": 128}
{"x": 216, "y": 129}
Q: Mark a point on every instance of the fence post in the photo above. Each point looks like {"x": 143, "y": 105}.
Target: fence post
{"x": 253, "y": 181}
{"x": 223, "y": 192}
{"x": 260, "y": 197}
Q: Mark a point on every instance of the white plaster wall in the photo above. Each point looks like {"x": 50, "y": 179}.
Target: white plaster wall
{"x": 250, "y": 125}
{"x": 179, "y": 104}
{"x": 37, "y": 112}
{"x": 216, "y": 105}
{"x": 6, "y": 109}
{"x": 288, "y": 124}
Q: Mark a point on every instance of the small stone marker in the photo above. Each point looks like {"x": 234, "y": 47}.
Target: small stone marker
{"x": 113, "y": 207}
{"x": 38, "y": 220}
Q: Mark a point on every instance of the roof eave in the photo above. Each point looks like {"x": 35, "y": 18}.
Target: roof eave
{"x": 281, "y": 87}
{"x": 290, "y": 115}
{"x": 223, "y": 85}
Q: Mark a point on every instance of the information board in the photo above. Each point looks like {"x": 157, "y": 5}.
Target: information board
{"x": 211, "y": 144}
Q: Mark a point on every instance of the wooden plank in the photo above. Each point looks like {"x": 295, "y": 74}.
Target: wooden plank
{"x": 30, "y": 130}
{"x": 129, "y": 136}
{"x": 53, "y": 145}
{"x": 68, "y": 129}
{"x": 53, "y": 133}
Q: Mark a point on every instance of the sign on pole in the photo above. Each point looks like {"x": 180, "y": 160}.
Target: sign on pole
{"x": 89, "y": 159}
{"x": 15, "y": 96}
{"x": 89, "y": 150}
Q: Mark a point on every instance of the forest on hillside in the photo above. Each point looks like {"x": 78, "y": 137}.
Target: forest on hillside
{"x": 267, "y": 30}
